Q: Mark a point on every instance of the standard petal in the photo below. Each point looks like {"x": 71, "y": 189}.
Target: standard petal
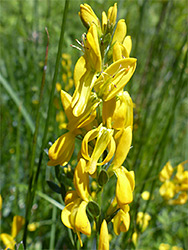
{"x": 120, "y": 32}
{"x": 123, "y": 139}
{"x": 62, "y": 149}
{"x": 81, "y": 180}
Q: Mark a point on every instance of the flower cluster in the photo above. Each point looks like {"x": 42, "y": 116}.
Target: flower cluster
{"x": 174, "y": 186}
{"x": 100, "y": 113}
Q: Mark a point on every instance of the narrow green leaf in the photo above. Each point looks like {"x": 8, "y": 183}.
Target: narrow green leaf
{"x": 19, "y": 104}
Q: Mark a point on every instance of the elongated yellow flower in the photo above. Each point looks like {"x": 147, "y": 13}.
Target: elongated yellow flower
{"x": 112, "y": 14}
{"x": 114, "y": 78}
{"x": 125, "y": 186}
{"x": 104, "y": 140}
{"x": 62, "y": 149}
{"x": 123, "y": 139}
{"x": 103, "y": 237}
{"x": 88, "y": 16}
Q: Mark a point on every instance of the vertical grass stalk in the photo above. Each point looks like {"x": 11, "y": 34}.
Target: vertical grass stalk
{"x": 35, "y": 174}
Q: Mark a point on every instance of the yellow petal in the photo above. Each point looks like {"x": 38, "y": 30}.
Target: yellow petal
{"x": 81, "y": 180}
{"x": 62, "y": 149}
{"x": 123, "y": 139}
{"x": 70, "y": 196}
{"x": 120, "y": 32}
{"x": 104, "y": 137}
{"x": 119, "y": 52}
{"x": 18, "y": 222}
{"x": 121, "y": 222}
{"x": 112, "y": 14}
{"x": 8, "y": 241}
{"x": 68, "y": 214}
{"x": 114, "y": 78}
{"x": 124, "y": 192}
{"x": 82, "y": 93}
{"x": 82, "y": 223}
{"x": 127, "y": 43}
{"x": 167, "y": 190}
{"x": 166, "y": 172}
{"x": 88, "y": 16}
{"x": 103, "y": 237}
{"x": 182, "y": 199}
{"x": 104, "y": 22}
{"x": 118, "y": 112}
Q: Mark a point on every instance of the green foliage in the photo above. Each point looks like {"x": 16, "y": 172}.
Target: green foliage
{"x": 158, "y": 89}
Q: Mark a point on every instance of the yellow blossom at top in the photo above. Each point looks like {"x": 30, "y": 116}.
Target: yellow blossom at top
{"x": 88, "y": 16}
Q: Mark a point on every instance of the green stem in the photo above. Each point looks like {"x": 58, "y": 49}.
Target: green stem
{"x": 53, "y": 228}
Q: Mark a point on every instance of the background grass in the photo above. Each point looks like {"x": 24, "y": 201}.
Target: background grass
{"x": 158, "y": 89}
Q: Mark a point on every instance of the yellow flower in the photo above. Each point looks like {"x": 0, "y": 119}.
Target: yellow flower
{"x": 7, "y": 239}
{"x": 112, "y": 14}
{"x": 166, "y": 172}
{"x": 74, "y": 214}
{"x": 167, "y": 190}
{"x": 121, "y": 220}
{"x": 74, "y": 217}
{"x": 123, "y": 139}
{"x": 135, "y": 238}
{"x": 103, "y": 237}
{"x": 120, "y": 32}
{"x": 104, "y": 22}
{"x": 181, "y": 175}
{"x": 114, "y": 78}
{"x": 176, "y": 248}
{"x": 104, "y": 140}
{"x": 164, "y": 246}
{"x": 62, "y": 149}
{"x": 125, "y": 186}
{"x": 86, "y": 117}
{"x": 118, "y": 112}
{"x": 143, "y": 220}
{"x": 88, "y": 16}
{"x": 182, "y": 199}
{"x": 145, "y": 195}
{"x": 58, "y": 87}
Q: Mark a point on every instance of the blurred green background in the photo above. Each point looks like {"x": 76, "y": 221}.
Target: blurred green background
{"x": 158, "y": 89}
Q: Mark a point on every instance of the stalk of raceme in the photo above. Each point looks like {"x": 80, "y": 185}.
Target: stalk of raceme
{"x": 100, "y": 113}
